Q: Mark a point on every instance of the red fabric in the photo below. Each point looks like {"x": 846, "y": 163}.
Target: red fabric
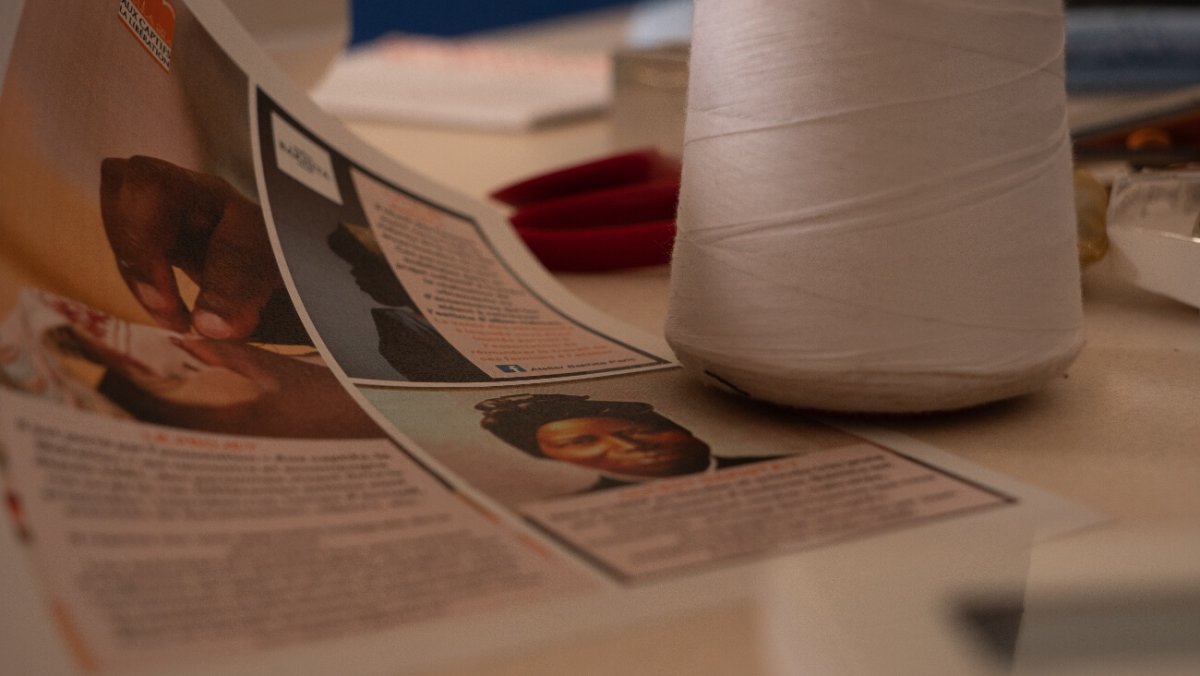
{"x": 609, "y": 247}
{"x": 633, "y": 167}
{"x": 612, "y": 213}
{"x": 637, "y": 203}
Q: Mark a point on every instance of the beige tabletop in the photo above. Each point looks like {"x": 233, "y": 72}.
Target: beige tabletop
{"x": 1119, "y": 433}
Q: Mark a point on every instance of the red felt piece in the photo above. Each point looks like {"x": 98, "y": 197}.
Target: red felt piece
{"x": 609, "y": 172}
{"x": 610, "y": 247}
{"x": 636, "y": 203}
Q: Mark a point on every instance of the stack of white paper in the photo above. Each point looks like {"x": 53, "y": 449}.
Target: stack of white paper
{"x": 464, "y": 84}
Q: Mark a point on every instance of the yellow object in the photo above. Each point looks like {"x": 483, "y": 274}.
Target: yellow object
{"x": 1091, "y": 208}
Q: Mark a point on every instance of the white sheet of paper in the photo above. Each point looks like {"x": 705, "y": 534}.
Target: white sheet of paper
{"x": 464, "y": 84}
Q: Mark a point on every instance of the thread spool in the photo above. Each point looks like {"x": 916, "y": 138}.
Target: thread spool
{"x": 876, "y": 208}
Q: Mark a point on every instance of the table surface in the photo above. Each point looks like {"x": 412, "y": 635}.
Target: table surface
{"x": 1119, "y": 433}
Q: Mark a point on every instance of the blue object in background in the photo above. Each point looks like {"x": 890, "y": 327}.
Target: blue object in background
{"x": 1109, "y": 48}
{"x": 372, "y": 18}
{"x": 1132, "y": 48}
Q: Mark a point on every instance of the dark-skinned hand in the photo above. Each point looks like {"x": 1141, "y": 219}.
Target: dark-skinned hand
{"x": 159, "y": 216}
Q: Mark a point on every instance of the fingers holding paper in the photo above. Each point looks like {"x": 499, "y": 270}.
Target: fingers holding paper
{"x": 159, "y": 216}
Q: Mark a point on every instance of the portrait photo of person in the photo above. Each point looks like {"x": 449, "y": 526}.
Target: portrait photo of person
{"x": 625, "y": 442}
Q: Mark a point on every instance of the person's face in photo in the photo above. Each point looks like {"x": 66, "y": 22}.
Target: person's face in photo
{"x": 644, "y": 448}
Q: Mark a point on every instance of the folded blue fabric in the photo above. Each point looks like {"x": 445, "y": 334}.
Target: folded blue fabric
{"x": 1132, "y": 48}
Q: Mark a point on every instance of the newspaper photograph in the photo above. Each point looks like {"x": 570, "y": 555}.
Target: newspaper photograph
{"x": 418, "y": 281}
{"x": 644, "y": 476}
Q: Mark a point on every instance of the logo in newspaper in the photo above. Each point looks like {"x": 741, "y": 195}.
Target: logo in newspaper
{"x": 301, "y": 158}
{"x": 510, "y": 368}
{"x": 152, "y": 22}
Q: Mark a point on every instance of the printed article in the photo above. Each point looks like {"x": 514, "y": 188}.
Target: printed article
{"x": 646, "y": 475}
{"x": 188, "y": 475}
{"x": 377, "y": 266}
{"x": 158, "y": 544}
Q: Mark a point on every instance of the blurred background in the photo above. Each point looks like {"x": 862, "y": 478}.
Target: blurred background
{"x": 372, "y": 18}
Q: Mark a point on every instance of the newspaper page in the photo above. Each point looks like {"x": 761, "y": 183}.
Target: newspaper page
{"x": 261, "y": 389}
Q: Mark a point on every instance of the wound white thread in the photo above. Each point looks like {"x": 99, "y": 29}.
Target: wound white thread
{"x": 876, "y": 211}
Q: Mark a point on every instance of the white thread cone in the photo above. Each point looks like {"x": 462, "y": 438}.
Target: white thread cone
{"x": 876, "y": 211}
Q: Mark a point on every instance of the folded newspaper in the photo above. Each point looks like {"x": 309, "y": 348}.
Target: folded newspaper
{"x": 266, "y": 394}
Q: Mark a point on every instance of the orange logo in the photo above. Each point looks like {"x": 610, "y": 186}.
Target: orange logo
{"x": 152, "y": 22}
